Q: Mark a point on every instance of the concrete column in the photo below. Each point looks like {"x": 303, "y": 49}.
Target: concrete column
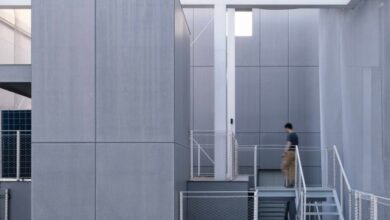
{"x": 220, "y": 90}
{"x": 231, "y": 88}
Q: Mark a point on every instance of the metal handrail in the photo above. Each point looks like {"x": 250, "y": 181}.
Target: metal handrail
{"x": 341, "y": 167}
{"x": 359, "y": 195}
{"x": 301, "y": 191}
{"x": 231, "y": 163}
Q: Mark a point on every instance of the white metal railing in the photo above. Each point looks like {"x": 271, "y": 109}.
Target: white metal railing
{"x": 202, "y": 159}
{"x": 207, "y": 205}
{"x": 15, "y": 155}
{"x": 300, "y": 186}
{"x": 354, "y": 204}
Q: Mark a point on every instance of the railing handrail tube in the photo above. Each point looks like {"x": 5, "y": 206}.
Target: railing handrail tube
{"x": 342, "y": 168}
{"x": 300, "y": 195}
{"x": 300, "y": 168}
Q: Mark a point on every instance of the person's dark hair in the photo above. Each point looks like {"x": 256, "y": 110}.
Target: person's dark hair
{"x": 288, "y": 126}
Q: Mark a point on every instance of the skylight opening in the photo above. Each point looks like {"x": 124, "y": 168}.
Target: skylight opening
{"x": 243, "y": 23}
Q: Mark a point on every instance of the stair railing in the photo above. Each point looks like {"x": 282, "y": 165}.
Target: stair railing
{"x": 369, "y": 206}
{"x": 300, "y": 187}
{"x": 342, "y": 187}
{"x": 355, "y": 204}
{"x": 195, "y": 146}
{"x": 200, "y": 150}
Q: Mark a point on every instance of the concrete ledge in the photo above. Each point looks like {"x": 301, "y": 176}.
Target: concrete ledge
{"x": 12, "y": 4}
{"x": 15, "y": 73}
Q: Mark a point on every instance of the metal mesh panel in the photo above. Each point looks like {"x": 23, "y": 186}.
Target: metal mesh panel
{"x": 217, "y": 205}
{"x": 25, "y": 155}
{"x": 8, "y": 151}
{"x": 9, "y": 142}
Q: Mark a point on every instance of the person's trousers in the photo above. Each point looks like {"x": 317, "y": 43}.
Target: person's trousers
{"x": 288, "y": 167}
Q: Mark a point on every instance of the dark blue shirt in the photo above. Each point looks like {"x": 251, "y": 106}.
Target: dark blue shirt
{"x": 293, "y": 139}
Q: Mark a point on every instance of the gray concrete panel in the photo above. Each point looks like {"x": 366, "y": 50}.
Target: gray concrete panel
{"x": 304, "y": 108}
{"x": 248, "y": 138}
{"x": 269, "y": 139}
{"x": 312, "y": 175}
{"x": 203, "y": 37}
{"x": 134, "y": 181}
{"x": 311, "y": 156}
{"x": 312, "y": 139}
{"x": 274, "y": 98}
{"x": 248, "y": 48}
{"x": 182, "y": 78}
{"x": 272, "y": 145}
{"x": 64, "y": 181}
{"x": 203, "y": 98}
{"x": 247, "y": 99}
{"x": 15, "y": 73}
{"x": 135, "y": 80}
{"x": 64, "y": 70}
{"x": 303, "y": 37}
{"x": 274, "y": 38}
{"x": 20, "y": 199}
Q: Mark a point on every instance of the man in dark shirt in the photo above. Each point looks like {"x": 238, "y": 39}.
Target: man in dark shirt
{"x": 288, "y": 162}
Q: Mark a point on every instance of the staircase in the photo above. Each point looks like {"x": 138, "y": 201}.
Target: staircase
{"x": 274, "y": 202}
{"x": 272, "y": 210}
{"x": 322, "y": 202}
{"x": 267, "y": 199}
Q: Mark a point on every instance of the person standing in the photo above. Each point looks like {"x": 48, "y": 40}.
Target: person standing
{"x": 288, "y": 157}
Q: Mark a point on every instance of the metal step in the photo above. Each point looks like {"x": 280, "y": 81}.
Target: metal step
{"x": 272, "y": 210}
{"x": 321, "y": 205}
{"x": 322, "y": 213}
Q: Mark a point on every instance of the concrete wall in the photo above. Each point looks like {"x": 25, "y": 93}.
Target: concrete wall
{"x": 354, "y": 74}
{"x": 276, "y": 79}
{"x": 110, "y": 116}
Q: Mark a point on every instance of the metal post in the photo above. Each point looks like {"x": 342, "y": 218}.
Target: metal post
{"x": 192, "y": 154}
{"x": 255, "y": 205}
{"x": 350, "y": 204}
{"x": 181, "y": 206}
{"x": 341, "y": 192}
{"x": 326, "y": 161}
{"x": 374, "y": 208}
{"x": 6, "y": 197}
{"x": 17, "y": 155}
{"x": 356, "y": 206}
{"x": 296, "y": 168}
{"x": 360, "y": 206}
{"x": 255, "y": 165}
{"x": 334, "y": 169}
{"x": 198, "y": 160}
{"x": 236, "y": 158}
